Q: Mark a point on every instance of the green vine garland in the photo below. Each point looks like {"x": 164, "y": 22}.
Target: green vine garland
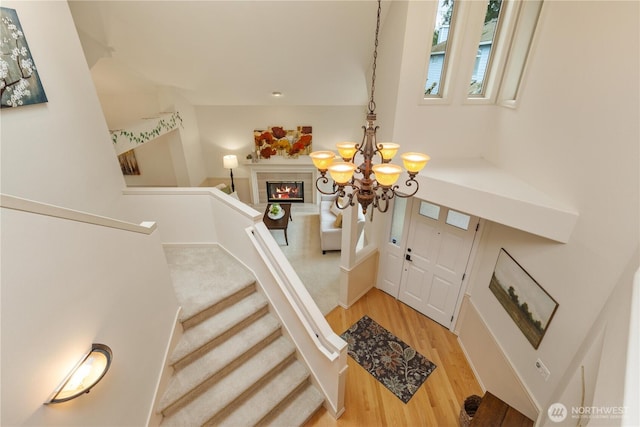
{"x": 168, "y": 125}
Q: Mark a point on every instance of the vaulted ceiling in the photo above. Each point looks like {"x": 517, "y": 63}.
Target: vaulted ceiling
{"x": 315, "y": 52}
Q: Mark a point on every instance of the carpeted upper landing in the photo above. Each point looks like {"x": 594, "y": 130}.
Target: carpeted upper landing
{"x": 204, "y": 276}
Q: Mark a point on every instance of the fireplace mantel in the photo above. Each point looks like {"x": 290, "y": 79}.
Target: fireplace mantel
{"x": 285, "y": 169}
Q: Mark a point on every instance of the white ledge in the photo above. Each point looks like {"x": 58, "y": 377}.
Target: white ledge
{"x": 477, "y": 187}
{"x": 147, "y": 129}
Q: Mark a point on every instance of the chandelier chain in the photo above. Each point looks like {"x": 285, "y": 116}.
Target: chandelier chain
{"x": 372, "y": 103}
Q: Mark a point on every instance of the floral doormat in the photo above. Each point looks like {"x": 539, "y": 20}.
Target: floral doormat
{"x": 399, "y": 367}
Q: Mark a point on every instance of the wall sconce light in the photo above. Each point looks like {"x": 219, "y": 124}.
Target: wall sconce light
{"x": 230, "y": 162}
{"x": 86, "y": 374}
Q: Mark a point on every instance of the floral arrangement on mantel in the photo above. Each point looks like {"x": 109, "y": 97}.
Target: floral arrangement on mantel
{"x": 165, "y": 124}
{"x": 277, "y": 141}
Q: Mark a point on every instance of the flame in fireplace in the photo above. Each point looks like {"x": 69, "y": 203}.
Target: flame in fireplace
{"x": 285, "y": 192}
{"x": 289, "y": 191}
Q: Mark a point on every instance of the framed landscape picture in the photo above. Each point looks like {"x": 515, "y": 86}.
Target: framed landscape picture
{"x": 526, "y": 302}
{"x": 129, "y": 163}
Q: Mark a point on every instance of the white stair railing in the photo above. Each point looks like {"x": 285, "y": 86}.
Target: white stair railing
{"x": 323, "y": 350}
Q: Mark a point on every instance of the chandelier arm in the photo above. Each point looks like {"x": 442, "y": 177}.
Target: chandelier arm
{"x": 324, "y": 180}
{"x": 386, "y": 199}
{"x": 358, "y": 148}
{"x": 408, "y": 183}
{"x": 342, "y": 194}
{"x": 351, "y": 195}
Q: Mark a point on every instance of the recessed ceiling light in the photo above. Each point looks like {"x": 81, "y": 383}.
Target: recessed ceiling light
{"x": 276, "y": 94}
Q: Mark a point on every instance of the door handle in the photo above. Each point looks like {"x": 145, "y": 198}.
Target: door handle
{"x": 407, "y": 257}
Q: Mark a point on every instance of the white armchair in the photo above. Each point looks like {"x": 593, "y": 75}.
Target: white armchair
{"x": 331, "y": 224}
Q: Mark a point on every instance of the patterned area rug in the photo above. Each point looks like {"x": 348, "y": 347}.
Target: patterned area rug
{"x": 399, "y": 367}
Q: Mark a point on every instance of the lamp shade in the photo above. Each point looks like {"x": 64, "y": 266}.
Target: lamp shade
{"x": 346, "y": 150}
{"x": 387, "y": 174}
{"x": 414, "y": 162}
{"x": 322, "y": 159}
{"x": 230, "y": 161}
{"x": 388, "y": 150}
{"x": 341, "y": 172}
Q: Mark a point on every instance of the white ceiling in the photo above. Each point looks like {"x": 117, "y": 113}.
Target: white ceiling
{"x": 316, "y": 52}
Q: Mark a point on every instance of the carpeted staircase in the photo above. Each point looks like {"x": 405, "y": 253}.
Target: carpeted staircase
{"x": 233, "y": 366}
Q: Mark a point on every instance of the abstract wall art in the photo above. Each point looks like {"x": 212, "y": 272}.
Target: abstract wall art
{"x": 19, "y": 81}
{"x": 278, "y": 141}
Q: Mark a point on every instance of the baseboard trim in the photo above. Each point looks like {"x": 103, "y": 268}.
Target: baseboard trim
{"x": 155, "y": 418}
{"x": 470, "y": 362}
{"x": 357, "y": 297}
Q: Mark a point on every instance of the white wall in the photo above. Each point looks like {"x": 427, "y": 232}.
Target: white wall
{"x": 443, "y": 129}
{"x": 126, "y": 102}
{"x": 229, "y": 130}
{"x": 155, "y": 163}
{"x": 189, "y": 146}
{"x": 65, "y": 284}
{"x": 602, "y": 359}
{"x": 574, "y": 135}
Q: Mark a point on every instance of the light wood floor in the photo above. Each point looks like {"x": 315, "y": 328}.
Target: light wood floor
{"x": 369, "y": 403}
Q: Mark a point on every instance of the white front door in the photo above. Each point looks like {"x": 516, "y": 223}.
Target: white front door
{"x": 436, "y": 256}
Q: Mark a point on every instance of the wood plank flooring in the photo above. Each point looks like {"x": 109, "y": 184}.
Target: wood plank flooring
{"x": 369, "y": 403}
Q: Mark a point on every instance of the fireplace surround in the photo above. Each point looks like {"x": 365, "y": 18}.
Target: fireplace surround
{"x": 275, "y": 169}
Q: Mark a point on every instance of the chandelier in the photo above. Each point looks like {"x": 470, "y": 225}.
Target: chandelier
{"x": 372, "y": 184}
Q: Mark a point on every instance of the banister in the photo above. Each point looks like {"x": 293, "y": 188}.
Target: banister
{"x": 321, "y": 336}
{"x": 39, "y": 208}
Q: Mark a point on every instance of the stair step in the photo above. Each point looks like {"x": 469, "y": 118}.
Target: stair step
{"x": 199, "y": 317}
{"x": 269, "y": 396}
{"x": 201, "y": 338}
{"x": 298, "y": 410}
{"x": 192, "y": 379}
{"x": 203, "y": 276}
{"x": 236, "y": 384}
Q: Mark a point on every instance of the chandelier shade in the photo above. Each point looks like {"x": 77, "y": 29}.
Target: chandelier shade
{"x": 347, "y": 150}
{"x": 386, "y": 174}
{"x": 414, "y": 162}
{"x": 388, "y": 150}
{"x": 322, "y": 159}
{"x": 366, "y": 175}
{"x": 341, "y": 172}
